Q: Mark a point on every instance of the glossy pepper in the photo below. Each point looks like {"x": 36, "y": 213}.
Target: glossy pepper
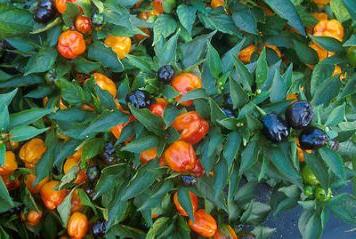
{"x": 299, "y": 114}
{"x": 312, "y": 138}
{"x": 29, "y": 182}
{"x": 309, "y": 177}
{"x": 45, "y": 11}
{"x": 246, "y": 53}
{"x": 329, "y": 28}
{"x": 33, "y": 217}
{"x": 322, "y": 195}
{"x": 225, "y": 232}
{"x": 204, "y": 224}
{"x": 139, "y": 99}
{"x": 185, "y": 82}
{"x": 275, "y": 49}
{"x": 76, "y": 203}
{"x": 83, "y": 24}
{"x": 71, "y": 44}
{"x": 191, "y": 126}
{"x": 158, "y": 107}
{"x": 10, "y": 182}
{"x": 274, "y": 128}
{"x": 105, "y": 83}
{"x": 180, "y": 157}
{"x": 32, "y": 151}
{"x": 165, "y": 73}
{"x": 148, "y": 155}
{"x": 78, "y": 225}
{"x": 321, "y": 52}
{"x": 99, "y": 228}
{"x": 217, "y": 3}
{"x": 158, "y": 6}
{"x": 74, "y": 162}
{"x": 193, "y": 200}
{"x": 321, "y": 2}
{"x": 51, "y": 197}
{"x": 188, "y": 180}
{"x": 120, "y": 45}
{"x": 61, "y": 5}
{"x": 9, "y": 165}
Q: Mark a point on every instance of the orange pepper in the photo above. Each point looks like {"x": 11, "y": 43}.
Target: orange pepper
{"x": 78, "y": 225}
{"x": 158, "y": 6}
{"x": 32, "y": 151}
{"x": 76, "y": 202}
{"x": 185, "y": 82}
{"x": 322, "y": 53}
{"x": 225, "y": 232}
{"x": 51, "y": 197}
{"x": 329, "y": 28}
{"x": 117, "y": 129}
{"x": 72, "y": 162}
{"x": 217, "y": 3}
{"x": 246, "y": 53}
{"x": 191, "y": 126}
{"x": 321, "y": 2}
{"x": 11, "y": 184}
{"x": 193, "y": 199}
{"x": 33, "y": 217}
{"x": 29, "y": 179}
{"x": 180, "y": 157}
{"x": 148, "y": 155}
{"x": 10, "y": 164}
{"x": 292, "y": 96}
{"x": 120, "y": 45}
{"x": 204, "y": 224}
{"x": 275, "y": 49}
{"x": 83, "y": 24}
{"x": 71, "y": 44}
{"x": 158, "y": 107}
{"x": 338, "y": 71}
{"x": 61, "y": 5}
{"x": 105, "y": 83}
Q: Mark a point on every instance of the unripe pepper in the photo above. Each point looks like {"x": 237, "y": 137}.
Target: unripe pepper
{"x": 105, "y": 83}
{"x": 9, "y": 165}
{"x": 322, "y": 195}
{"x": 32, "y": 218}
{"x": 193, "y": 200}
{"x": 71, "y": 44}
{"x": 246, "y": 53}
{"x": 185, "y": 82}
{"x": 329, "y": 28}
{"x": 148, "y": 155}
{"x": 309, "y": 177}
{"x": 30, "y": 179}
{"x": 83, "y": 24}
{"x": 191, "y": 126}
{"x": 204, "y": 224}
{"x": 61, "y": 5}
{"x": 217, "y": 3}
{"x": 180, "y": 157}
{"x": 120, "y": 45}
{"x": 32, "y": 151}
{"x": 225, "y": 232}
{"x": 51, "y": 197}
{"x": 158, "y": 107}
{"x": 78, "y": 225}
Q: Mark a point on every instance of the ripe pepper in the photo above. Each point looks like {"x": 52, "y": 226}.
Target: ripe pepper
{"x": 71, "y": 44}
{"x": 321, "y": 2}
{"x": 120, "y": 45}
{"x": 217, "y": 3}
{"x": 76, "y": 204}
{"x": 185, "y": 82}
{"x": 32, "y": 151}
{"x": 83, "y": 24}
{"x": 10, "y": 182}
{"x": 338, "y": 71}
{"x": 117, "y": 129}
{"x": 30, "y": 179}
{"x": 105, "y": 83}
{"x": 329, "y": 28}
{"x": 204, "y": 224}
{"x": 193, "y": 200}
{"x": 148, "y": 155}
{"x": 10, "y": 164}
{"x": 191, "y": 126}
{"x": 180, "y": 157}
{"x": 72, "y": 162}
{"x": 51, "y": 197}
{"x": 225, "y": 232}
{"x": 158, "y": 107}
{"x": 299, "y": 114}
{"x": 45, "y": 11}
{"x": 275, "y": 49}
{"x": 274, "y": 128}
{"x": 158, "y": 6}
{"x": 312, "y": 138}
{"x": 32, "y": 218}
{"x": 78, "y": 225}
{"x": 61, "y": 5}
{"x": 321, "y": 52}
{"x": 246, "y": 53}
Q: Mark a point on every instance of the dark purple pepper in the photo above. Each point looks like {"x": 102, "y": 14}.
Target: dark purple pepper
{"x": 228, "y": 113}
{"x": 98, "y": 229}
{"x": 275, "y": 128}
{"x": 189, "y": 180}
{"x": 312, "y": 138}
{"x": 299, "y": 114}
{"x": 139, "y": 99}
{"x": 109, "y": 153}
{"x": 45, "y": 12}
{"x": 165, "y": 73}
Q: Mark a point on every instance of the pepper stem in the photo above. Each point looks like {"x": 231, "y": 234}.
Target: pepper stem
{"x": 261, "y": 111}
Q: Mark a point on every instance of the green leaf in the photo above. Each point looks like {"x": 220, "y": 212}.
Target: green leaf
{"x": 44, "y": 166}
{"x": 5, "y": 118}
{"x": 327, "y": 91}
{"x": 319, "y": 169}
{"x": 27, "y": 117}
{"x": 99, "y": 52}
{"x": 313, "y": 228}
{"x": 14, "y": 21}
{"x": 238, "y": 95}
{"x": 108, "y": 175}
{"x": 228, "y": 59}
{"x": 5, "y": 99}
{"x": 245, "y": 77}
{"x": 92, "y": 148}
{"x": 286, "y": 10}
{"x": 2, "y": 153}
{"x": 336, "y": 116}
{"x": 141, "y": 63}
{"x": 221, "y": 176}
{"x": 167, "y": 54}
{"x": 71, "y": 92}
{"x": 159, "y": 225}
{"x": 5, "y": 198}
{"x": 334, "y": 162}
{"x": 42, "y": 61}
{"x": 245, "y": 20}
{"x": 22, "y": 133}
{"x": 185, "y": 201}
{"x": 261, "y": 69}
{"x": 343, "y": 207}
{"x": 104, "y": 122}
{"x": 350, "y": 6}
{"x": 164, "y": 26}
{"x": 19, "y": 81}
{"x": 219, "y": 22}
{"x": 141, "y": 144}
{"x": 306, "y": 54}
{"x": 231, "y": 147}
{"x": 279, "y": 88}
{"x": 70, "y": 14}
{"x": 321, "y": 73}
{"x": 150, "y": 121}
{"x": 249, "y": 156}
{"x": 214, "y": 61}
{"x": 328, "y": 43}
{"x": 340, "y": 11}
{"x": 64, "y": 209}
{"x": 85, "y": 66}
{"x": 186, "y": 15}
{"x": 194, "y": 94}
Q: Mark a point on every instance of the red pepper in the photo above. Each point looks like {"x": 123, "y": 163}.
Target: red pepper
{"x": 193, "y": 199}
{"x": 185, "y": 82}
{"x": 204, "y": 224}
{"x": 158, "y": 107}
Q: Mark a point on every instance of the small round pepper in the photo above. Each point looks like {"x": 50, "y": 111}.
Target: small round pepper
{"x": 217, "y": 3}
{"x": 191, "y": 126}
{"x": 71, "y": 44}
{"x": 76, "y": 204}
{"x": 32, "y": 218}
{"x": 83, "y": 24}
{"x": 72, "y": 162}
{"x": 321, "y": 52}
{"x": 158, "y": 107}
{"x": 312, "y": 138}
{"x": 225, "y": 232}
{"x": 322, "y": 195}
{"x": 299, "y": 114}
{"x": 275, "y": 128}
{"x": 193, "y": 200}
{"x": 10, "y": 182}
{"x": 61, "y": 5}
{"x": 105, "y": 83}
{"x": 51, "y": 197}
{"x": 120, "y": 45}
{"x": 185, "y": 82}
{"x": 32, "y": 151}
{"x": 78, "y": 225}
{"x": 9, "y": 165}
{"x": 309, "y": 177}
{"x": 329, "y": 28}
{"x": 30, "y": 179}
{"x": 321, "y": 2}
{"x": 246, "y": 53}
{"x": 204, "y": 224}
{"x": 148, "y": 155}
{"x": 158, "y": 6}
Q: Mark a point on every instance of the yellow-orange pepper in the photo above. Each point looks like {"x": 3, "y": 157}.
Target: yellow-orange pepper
{"x": 71, "y": 44}
{"x": 120, "y": 45}
{"x": 185, "y": 82}
{"x": 9, "y": 165}
{"x": 217, "y": 3}
{"x": 158, "y": 107}
{"x": 321, "y": 52}
{"x": 78, "y": 225}
{"x": 29, "y": 180}
{"x": 105, "y": 83}
{"x": 275, "y": 49}
{"x": 204, "y": 224}
{"x": 193, "y": 200}
{"x": 72, "y": 162}
{"x": 321, "y": 2}
{"x": 61, "y": 5}
{"x": 329, "y": 28}
{"x": 246, "y": 53}
{"x": 32, "y": 218}
{"x": 148, "y": 155}
{"x": 51, "y": 197}
{"x": 32, "y": 151}
{"x": 338, "y": 71}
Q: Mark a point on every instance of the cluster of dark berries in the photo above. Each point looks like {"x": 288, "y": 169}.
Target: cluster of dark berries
{"x": 298, "y": 116}
{"x": 45, "y": 11}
